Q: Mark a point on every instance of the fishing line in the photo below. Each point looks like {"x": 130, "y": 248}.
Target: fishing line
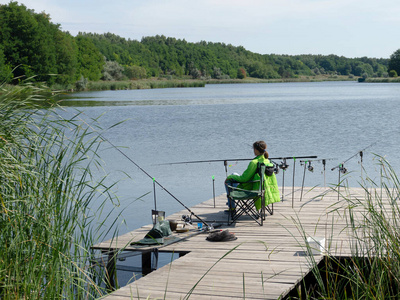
{"x": 152, "y": 178}
{"x": 358, "y": 152}
{"x": 311, "y": 169}
{"x": 343, "y": 170}
{"x": 155, "y": 181}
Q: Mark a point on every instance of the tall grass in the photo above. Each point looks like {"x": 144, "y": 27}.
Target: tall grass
{"x": 142, "y": 84}
{"x": 46, "y": 194}
{"x": 372, "y": 271}
{"x": 383, "y": 80}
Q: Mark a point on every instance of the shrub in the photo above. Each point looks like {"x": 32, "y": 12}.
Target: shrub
{"x": 392, "y": 73}
{"x": 81, "y": 84}
{"x": 135, "y": 72}
{"x": 241, "y": 74}
{"x": 112, "y": 70}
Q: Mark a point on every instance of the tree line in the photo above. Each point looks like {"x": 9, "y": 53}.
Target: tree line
{"x": 31, "y": 45}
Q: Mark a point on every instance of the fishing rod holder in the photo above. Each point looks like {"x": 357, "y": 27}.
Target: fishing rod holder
{"x": 157, "y": 216}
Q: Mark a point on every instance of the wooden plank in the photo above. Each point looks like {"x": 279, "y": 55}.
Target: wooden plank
{"x": 265, "y": 262}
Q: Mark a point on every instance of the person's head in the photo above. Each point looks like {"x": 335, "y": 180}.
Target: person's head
{"x": 260, "y": 147}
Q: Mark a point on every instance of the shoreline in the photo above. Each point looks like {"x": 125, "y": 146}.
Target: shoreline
{"x": 161, "y": 82}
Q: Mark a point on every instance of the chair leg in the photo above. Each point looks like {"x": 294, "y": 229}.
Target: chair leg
{"x": 270, "y": 210}
{"x": 262, "y": 211}
{"x": 230, "y": 217}
{"x": 231, "y": 213}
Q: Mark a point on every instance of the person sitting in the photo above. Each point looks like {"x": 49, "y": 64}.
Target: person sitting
{"x": 251, "y": 174}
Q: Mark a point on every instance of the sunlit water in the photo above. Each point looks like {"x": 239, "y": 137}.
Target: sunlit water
{"x": 332, "y": 120}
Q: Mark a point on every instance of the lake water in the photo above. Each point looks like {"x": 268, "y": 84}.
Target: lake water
{"x": 332, "y": 120}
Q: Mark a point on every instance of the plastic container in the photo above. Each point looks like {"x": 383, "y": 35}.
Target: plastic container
{"x": 316, "y": 245}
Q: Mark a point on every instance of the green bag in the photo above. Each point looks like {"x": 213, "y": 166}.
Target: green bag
{"x": 165, "y": 228}
{"x": 156, "y": 235}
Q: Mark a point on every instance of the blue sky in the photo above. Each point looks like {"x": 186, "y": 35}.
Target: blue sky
{"x": 352, "y": 28}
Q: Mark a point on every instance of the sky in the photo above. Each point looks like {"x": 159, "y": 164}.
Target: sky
{"x": 350, "y": 28}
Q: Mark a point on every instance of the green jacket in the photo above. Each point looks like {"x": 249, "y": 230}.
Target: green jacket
{"x": 250, "y": 174}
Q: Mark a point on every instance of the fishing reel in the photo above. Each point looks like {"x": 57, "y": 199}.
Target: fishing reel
{"x": 310, "y": 167}
{"x": 276, "y": 168}
{"x": 187, "y": 219}
{"x": 283, "y": 165}
{"x": 342, "y": 169}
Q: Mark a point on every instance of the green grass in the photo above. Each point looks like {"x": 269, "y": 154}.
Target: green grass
{"x": 46, "y": 194}
{"x": 373, "y": 269}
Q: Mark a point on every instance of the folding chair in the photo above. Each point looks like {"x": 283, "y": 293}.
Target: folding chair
{"x": 244, "y": 199}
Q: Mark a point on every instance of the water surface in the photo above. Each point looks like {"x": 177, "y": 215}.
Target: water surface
{"x": 333, "y": 120}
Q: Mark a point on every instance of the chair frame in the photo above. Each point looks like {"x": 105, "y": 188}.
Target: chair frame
{"x": 246, "y": 205}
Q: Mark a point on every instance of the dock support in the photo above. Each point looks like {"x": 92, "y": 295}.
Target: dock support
{"x": 111, "y": 271}
{"x": 146, "y": 263}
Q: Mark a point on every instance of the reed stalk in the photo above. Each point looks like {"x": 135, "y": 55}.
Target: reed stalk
{"x": 372, "y": 271}
{"x": 47, "y": 192}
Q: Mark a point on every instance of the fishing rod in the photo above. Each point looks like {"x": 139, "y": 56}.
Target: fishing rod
{"x": 310, "y": 168}
{"x": 283, "y": 166}
{"x": 343, "y": 170}
{"x": 158, "y": 183}
{"x": 154, "y": 180}
{"x": 358, "y": 152}
{"x": 237, "y": 159}
{"x": 161, "y": 186}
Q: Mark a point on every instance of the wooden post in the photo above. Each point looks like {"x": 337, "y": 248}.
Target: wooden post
{"x": 111, "y": 272}
{"x": 146, "y": 263}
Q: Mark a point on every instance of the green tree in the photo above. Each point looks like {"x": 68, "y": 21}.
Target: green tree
{"x": 33, "y": 45}
{"x": 18, "y": 36}
{"x": 66, "y": 57}
{"x": 5, "y": 70}
{"x": 363, "y": 68}
{"x": 394, "y": 62}
{"x": 90, "y": 60}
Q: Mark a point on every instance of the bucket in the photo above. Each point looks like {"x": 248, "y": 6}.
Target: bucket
{"x": 173, "y": 224}
{"x": 316, "y": 245}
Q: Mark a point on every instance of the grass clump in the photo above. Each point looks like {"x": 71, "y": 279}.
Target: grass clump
{"x": 372, "y": 271}
{"x": 46, "y": 194}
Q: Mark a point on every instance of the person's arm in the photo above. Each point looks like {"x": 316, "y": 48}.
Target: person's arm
{"x": 247, "y": 174}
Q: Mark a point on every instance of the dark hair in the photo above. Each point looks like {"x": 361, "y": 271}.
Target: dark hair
{"x": 261, "y": 146}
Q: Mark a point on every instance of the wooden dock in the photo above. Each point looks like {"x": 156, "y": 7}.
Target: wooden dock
{"x": 265, "y": 262}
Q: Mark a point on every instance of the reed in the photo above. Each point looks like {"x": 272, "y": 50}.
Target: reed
{"x": 142, "y": 84}
{"x": 47, "y": 192}
{"x": 383, "y": 80}
{"x": 372, "y": 271}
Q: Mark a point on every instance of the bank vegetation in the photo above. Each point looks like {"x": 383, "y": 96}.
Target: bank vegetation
{"x": 30, "y": 44}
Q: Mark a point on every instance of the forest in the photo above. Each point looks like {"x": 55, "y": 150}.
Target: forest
{"x": 31, "y": 46}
